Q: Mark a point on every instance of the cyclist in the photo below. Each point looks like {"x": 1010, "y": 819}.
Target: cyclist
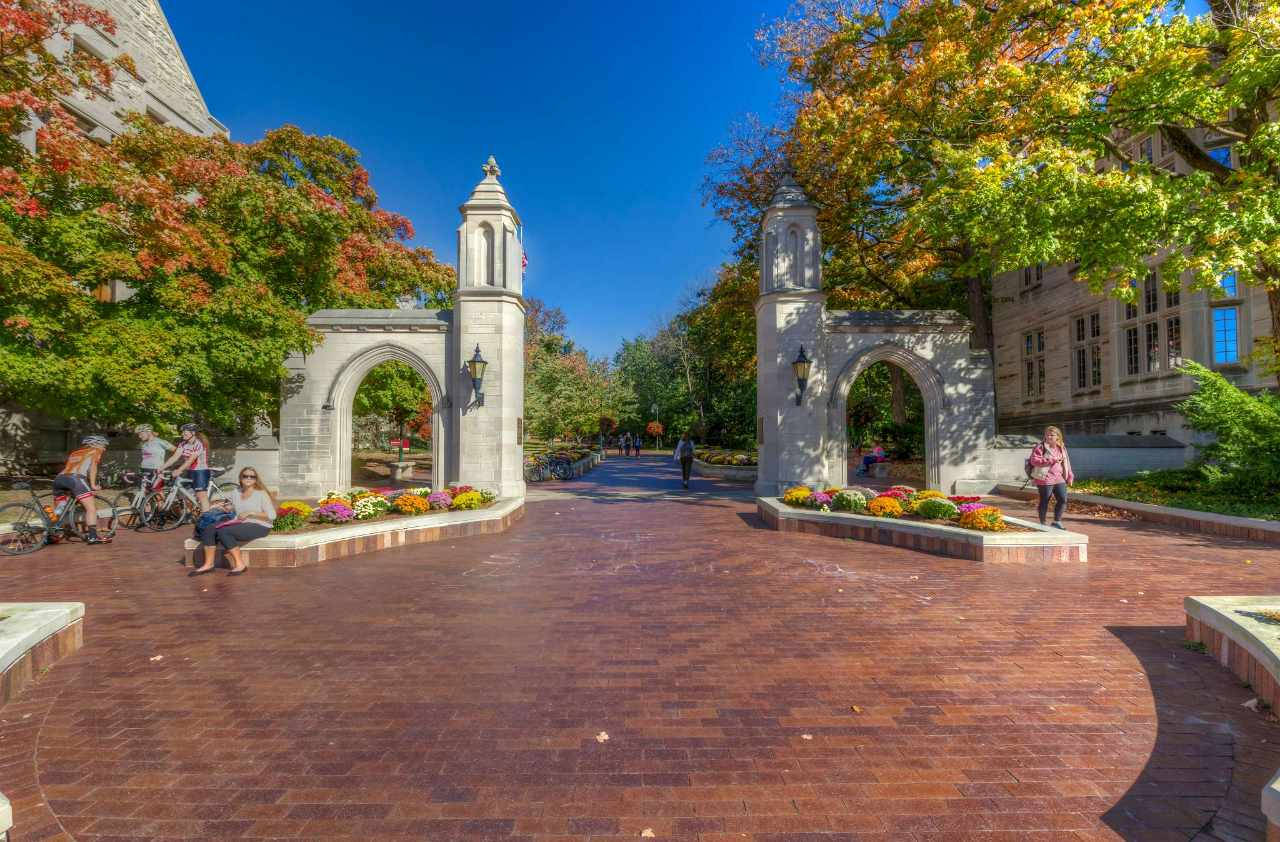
{"x": 154, "y": 450}
{"x": 193, "y": 455}
{"x": 79, "y": 479}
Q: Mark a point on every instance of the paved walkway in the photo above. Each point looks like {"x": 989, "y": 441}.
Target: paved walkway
{"x": 751, "y": 686}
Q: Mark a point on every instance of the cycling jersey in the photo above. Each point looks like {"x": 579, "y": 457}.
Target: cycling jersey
{"x": 194, "y": 456}
{"x": 81, "y": 461}
{"x": 153, "y": 451}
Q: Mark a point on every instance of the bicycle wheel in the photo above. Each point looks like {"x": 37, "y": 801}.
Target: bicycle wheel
{"x": 561, "y": 471}
{"x": 22, "y": 529}
{"x": 105, "y": 516}
{"x": 162, "y": 515}
{"x": 127, "y": 516}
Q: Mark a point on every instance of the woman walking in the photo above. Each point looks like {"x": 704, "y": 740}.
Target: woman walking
{"x": 684, "y": 455}
{"x": 255, "y": 511}
{"x": 626, "y": 444}
{"x": 1050, "y": 470}
{"x": 154, "y": 449}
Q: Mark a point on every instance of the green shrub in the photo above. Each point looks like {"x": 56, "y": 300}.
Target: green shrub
{"x": 288, "y": 521}
{"x": 1245, "y": 454}
{"x": 935, "y": 508}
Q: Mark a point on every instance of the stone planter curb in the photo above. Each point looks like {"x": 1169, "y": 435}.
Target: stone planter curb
{"x": 1208, "y": 523}
{"x": 1041, "y": 544}
{"x": 1250, "y": 648}
{"x": 294, "y": 550}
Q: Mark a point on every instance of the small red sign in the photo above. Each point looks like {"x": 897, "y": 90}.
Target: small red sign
{"x": 400, "y": 443}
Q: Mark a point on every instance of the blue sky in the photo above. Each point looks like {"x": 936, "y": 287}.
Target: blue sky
{"x": 601, "y": 117}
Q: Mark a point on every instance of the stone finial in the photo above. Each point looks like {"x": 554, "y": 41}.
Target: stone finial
{"x": 491, "y": 168}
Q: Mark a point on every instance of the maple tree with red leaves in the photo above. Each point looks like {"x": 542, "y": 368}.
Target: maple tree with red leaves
{"x": 226, "y": 247}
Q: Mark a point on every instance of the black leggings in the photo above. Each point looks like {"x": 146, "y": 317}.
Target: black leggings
{"x": 686, "y": 465}
{"x": 1059, "y": 492}
{"x": 233, "y": 535}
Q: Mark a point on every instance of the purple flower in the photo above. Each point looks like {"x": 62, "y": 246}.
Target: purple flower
{"x": 969, "y": 507}
{"x": 334, "y": 513}
{"x": 820, "y": 498}
{"x": 440, "y": 500}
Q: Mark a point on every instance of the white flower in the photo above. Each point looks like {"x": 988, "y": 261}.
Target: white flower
{"x": 826, "y": 508}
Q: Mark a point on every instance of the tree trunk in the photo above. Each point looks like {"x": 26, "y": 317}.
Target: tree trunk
{"x": 1273, "y": 299}
{"x": 898, "y": 395}
{"x": 979, "y": 312}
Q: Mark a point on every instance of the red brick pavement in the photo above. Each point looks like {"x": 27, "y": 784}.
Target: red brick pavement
{"x": 752, "y": 684}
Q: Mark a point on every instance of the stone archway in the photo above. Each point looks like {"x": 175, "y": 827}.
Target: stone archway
{"x": 801, "y": 428}
{"x": 478, "y": 432}
{"x": 926, "y": 378}
{"x": 342, "y": 395}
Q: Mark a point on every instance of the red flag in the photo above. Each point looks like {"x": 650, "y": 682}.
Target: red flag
{"x": 524, "y": 260}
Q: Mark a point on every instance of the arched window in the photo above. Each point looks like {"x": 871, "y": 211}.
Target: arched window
{"x": 795, "y": 269}
{"x": 484, "y": 255}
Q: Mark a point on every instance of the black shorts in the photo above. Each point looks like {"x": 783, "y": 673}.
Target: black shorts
{"x": 73, "y": 484}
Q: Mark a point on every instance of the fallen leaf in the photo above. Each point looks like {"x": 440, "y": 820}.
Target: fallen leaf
{"x": 806, "y": 736}
{"x": 855, "y": 708}
{"x": 602, "y": 737}
{"x": 1124, "y": 600}
{"x": 158, "y": 657}
{"x": 647, "y": 833}
{"x": 1252, "y": 704}
{"x": 839, "y": 590}
{"x": 1248, "y": 561}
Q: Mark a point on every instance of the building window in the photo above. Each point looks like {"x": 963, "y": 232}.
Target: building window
{"x": 1132, "y": 362}
{"x": 1173, "y": 339}
{"x": 1230, "y": 288}
{"x": 1221, "y": 154}
{"x": 1033, "y": 364}
{"x": 1086, "y": 334}
{"x": 1172, "y": 298}
{"x": 1151, "y": 342}
{"x": 1226, "y": 335}
{"x": 1145, "y": 150}
{"x": 1151, "y": 294}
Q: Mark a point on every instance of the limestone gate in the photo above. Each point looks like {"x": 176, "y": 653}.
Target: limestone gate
{"x": 801, "y": 427}
{"x": 476, "y": 433}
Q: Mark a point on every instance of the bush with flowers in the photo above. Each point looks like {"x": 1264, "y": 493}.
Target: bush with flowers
{"x": 440, "y": 500}
{"x": 334, "y": 512}
{"x": 848, "y": 500}
{"x": 424, "y": 491}
{"x": 295, "y": 506}
{"x": 819, "y": 500}
{"x": 935, "y": 508}
{"x": 895, "y": 493}
{"x": 371, "y": 506}
{"x": 959, "y": 499}
{"x": 928, "y": 494}
{"x": 411, "y": 504}
{"x": 796, "y": 495}
{"x": 287, "y": 520}
{"x": 866, "y": 493}
{"x": 467, "y": 500}
{"x": 884, "y": 506}
{"x": 905, "y": 489}
{"x": 965, "y": 508}
{"x": 983, "y": 518}
{"x": 455, "y": 490}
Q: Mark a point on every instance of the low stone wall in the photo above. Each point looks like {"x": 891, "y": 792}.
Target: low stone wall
{"x": 1208, "y": 523}
{"x": 1232, "y": 630}
{"x": 731, "y": 473}
{"x": 298, "y": 549}
{"x": 1041, "y": 544}
{"x": 33, "y": 637}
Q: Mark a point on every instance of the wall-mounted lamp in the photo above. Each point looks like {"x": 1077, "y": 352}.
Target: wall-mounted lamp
{"x": 475, "y": 367}
{"x": 327, "y": 406}
{"x": 801, "y": 367}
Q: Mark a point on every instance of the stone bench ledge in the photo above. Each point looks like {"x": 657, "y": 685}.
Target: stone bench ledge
{"x": 1250, "y": 648}
{"x": 23, "y": 625}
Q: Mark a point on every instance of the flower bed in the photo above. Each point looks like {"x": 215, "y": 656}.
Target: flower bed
{"x": 339, "y": 508}
{"x": 1018, "y": 541}
{"x": 722, "y": 456}
{"x": 903, "y": 502}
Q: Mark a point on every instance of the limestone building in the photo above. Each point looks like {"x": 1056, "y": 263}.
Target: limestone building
{"x": 163, "y": 88}
{"x": 1094, "y": 365}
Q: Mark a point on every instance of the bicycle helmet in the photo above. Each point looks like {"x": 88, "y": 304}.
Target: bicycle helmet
{"x": 192, "y": 427}
{"x": 94, "y": 441}
{"x": 143, "y": 428}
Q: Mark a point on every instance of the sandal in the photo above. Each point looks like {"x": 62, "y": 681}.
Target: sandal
{"x": 200, "y": 572}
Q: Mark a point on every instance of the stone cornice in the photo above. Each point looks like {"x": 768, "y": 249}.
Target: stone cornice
{"x": 367, "y": 321}
{"x": 897, "y": 321}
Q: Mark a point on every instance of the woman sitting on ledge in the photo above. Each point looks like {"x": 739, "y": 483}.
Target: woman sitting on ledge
{"x": 255, "y": 511}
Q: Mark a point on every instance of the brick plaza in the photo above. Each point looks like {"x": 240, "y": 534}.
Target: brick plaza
{"x": 634, "y": 658}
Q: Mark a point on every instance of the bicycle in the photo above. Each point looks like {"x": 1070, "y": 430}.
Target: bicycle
{"x": 128, "y": 504}
{"x": 166, "y": 509}
{"x": 26, "y": 527}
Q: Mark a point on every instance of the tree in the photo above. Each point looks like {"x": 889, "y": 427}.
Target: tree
{"x": 226, "y": 246}
{"x": 396, "y": 393}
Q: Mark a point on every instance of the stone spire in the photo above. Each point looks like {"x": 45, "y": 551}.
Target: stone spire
{"x": 489, "y": 193}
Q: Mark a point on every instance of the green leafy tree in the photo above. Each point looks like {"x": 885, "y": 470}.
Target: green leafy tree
{"x": 1244, "y": 455}
{"x": 394, "y": 392}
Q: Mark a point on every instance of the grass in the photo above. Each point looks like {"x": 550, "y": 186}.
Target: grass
{"x": 1182, "y": 489}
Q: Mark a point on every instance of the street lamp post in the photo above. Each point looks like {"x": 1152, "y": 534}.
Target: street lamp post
{"x": 653, "y": 410}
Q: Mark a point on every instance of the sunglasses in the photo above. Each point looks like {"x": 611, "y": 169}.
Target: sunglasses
{"x": 248, "y": 476}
